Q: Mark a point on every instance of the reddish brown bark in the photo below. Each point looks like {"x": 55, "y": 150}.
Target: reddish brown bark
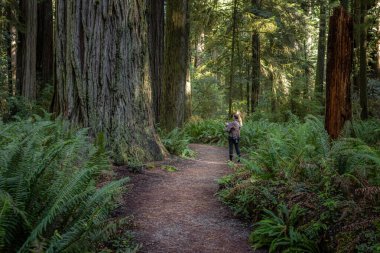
{"x": 45, "y": 42}
{"x": 339, "y": 65}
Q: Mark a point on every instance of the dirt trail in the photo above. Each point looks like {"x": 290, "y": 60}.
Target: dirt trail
{"x": 179, "y": 212}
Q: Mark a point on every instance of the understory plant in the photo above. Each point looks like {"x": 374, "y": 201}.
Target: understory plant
{"x": 49, "y": 197}
{"x": 304, "y": 192}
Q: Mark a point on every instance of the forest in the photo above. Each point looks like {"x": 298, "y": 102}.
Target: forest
{"x": 113, "y": 115}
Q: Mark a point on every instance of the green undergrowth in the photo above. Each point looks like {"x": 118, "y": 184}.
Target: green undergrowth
{"x": 51, "y": 197}
{"x": 301, "y": 191}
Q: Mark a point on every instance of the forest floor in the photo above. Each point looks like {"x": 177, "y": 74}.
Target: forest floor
{"x": 178, "y": 211}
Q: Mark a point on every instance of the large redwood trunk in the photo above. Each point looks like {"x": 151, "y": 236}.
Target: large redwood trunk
{"x": 102, "y": 68}
{"x": 27, "y": 50}
{"x": 339, "y": 65}
{"x": 156, "y": 21}
{"x": 45, "y": 42}
{"x": 176, "y": 61}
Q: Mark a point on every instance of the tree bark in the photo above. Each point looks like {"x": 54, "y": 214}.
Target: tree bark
{"x": 320, "y": 70}
{"x": 102, "y": 74}
{"x": 176, "y": 61}
{"x": 378, "y": 53}
{"x": 26, "y": 70}
{"x": 363, "y": 61}
{"x": 339, "y": 65}
{"x": 45, "y": 55}
{"x": 255, "y": 64}
{"x": 156, "y": 23}
{"x": 232, "y": 64}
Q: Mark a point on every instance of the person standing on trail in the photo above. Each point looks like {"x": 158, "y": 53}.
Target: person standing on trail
{"x": 233, "y": 129}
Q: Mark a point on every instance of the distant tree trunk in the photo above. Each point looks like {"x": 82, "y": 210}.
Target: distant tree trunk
{"x": 378, "y": 53}
{"x": 356, "y": 14}
{"x": 232, "y": 64}
{"x": 176, "y": 59}
{"x": 103, "y": 72}
{"x": 247, "y": 87}
{"x": 28, "y": 62}
{"x": 339, "y": 64}
{"x": 255, "y": 64}
{"x": 363, "y": 61}
{"x": 45, "y": 55}
{"x": 320, "y": 71}
{"x": 156, "y": 22}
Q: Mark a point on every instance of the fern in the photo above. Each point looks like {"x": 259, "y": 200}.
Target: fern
{"x": 280, "y": 232}
{"x": 48, "y": 195}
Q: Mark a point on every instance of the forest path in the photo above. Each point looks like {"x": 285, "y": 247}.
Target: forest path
{"x": 179, "y": 212}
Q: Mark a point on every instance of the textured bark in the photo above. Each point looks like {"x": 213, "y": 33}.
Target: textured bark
{"x": 176, "y": 61}
{"x": 102, "y": 72}
{"x": 26, "y": 50}
{"x": 320, "y": 70}
{"x": 378, "y": 54}
{"x": 255, "y": 64}
{"x": 339, "y": 63}
{"x": 45, "y": 55}
{"x": 156, "y": 22}
{"x": 363, "y": 61}
{"x": 232, "y": 63}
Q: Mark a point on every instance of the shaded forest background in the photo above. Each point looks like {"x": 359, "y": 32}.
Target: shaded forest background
{"x": 86, "y": 84}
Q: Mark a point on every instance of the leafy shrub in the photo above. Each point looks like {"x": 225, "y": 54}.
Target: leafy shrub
{"x": 49, "y": 200}
{"x": 335, "y": 182}
{"x": 206, "y": 131}
{"x": 177, "y": 142}
{"x": 280, "y": 231}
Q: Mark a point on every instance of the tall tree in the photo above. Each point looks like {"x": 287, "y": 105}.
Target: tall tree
{"x": 156, "y": 22}
{"x": 378, "y": 50}
{"x": 176, "y": 61}
{"x": 232, "y": 63}
{"x": 255, "y": 63}
{"x": 339, "y": 65}
{"x": 27, "y": 50}
{"x": 45, "y": 56}
{"x": 363, "y": 60}
{"x": 320, "y": 70}
{"x": 102, "y": 66}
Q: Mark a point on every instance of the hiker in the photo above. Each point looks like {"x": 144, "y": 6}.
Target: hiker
{"x": 233, "y": 129}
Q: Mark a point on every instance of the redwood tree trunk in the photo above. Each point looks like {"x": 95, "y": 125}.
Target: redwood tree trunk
{"x": 339, "y": 64}
{"x": 255, "y": 64}
{"x": 45, "y": 42}
{"x": 320, "y": 71}
{"x": 27, "y": 50}
{"x": 156, "y": 22}
{"x": 363, "y": 61}
{"x": 102, "y": 68}
{"x": 176, "y": 59}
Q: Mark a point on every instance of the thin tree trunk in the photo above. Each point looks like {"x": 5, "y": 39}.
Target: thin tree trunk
{"x": 176, "y": 59}
{"x": 255, "y": 64}
{"x": 363, "y": 62}
{"x": 248, "y": 77}
{"x": 232, "y": 64}
{"x": 45, "y": 55}
{"x": 339, "y": 66}
{"x": 156, "y": 23}
{"x": 320, "y": 71}
{"x": 28, "y": 62}
{"x": 103, "y": 83}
